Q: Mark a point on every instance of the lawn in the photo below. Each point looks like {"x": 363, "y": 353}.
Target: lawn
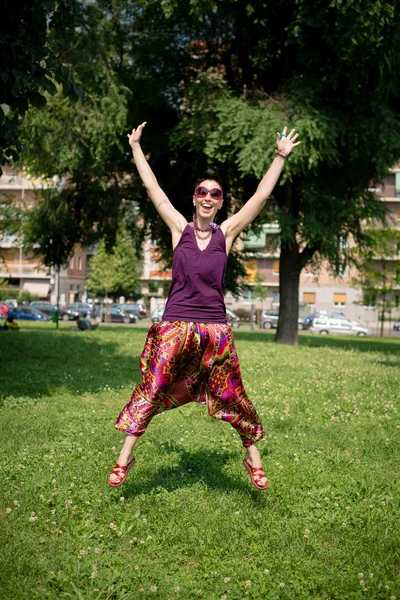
{"x": 187, "y": 523}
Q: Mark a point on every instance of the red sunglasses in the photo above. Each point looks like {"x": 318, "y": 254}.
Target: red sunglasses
{"x": 201, "y": 192}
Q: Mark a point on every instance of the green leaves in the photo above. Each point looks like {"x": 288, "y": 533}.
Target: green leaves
{"x": 115, "y": 270}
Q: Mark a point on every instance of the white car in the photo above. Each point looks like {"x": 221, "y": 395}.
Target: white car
{"x": 325, "y": 325}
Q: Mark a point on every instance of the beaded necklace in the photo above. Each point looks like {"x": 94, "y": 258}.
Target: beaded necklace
{"x": 210, "y": 226}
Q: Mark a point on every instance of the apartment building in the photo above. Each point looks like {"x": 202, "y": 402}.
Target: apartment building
{"x": 21, "y": 269}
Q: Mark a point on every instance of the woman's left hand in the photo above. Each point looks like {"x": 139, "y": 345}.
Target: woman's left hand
{"x": 286, "y": 141}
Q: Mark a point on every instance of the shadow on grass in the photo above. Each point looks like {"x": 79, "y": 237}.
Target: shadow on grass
{"x": 38, "y": 363}
{"x": 201, "y": 466}
{"x": 385, "y": 345}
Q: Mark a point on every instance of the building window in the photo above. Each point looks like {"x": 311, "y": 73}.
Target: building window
{"x": 275, "y": 298}
{"x": 340, "y": 270}
{"x": 71, "y": 262}
{"x": 339, "y": 299}
{"x": 369, "y": 298}
{"x": 275, "y": 268}
{"x": 309, "y": 297}
{"x": 79, "y": 263}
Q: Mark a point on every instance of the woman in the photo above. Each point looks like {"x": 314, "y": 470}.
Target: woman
{"x": 190, "y": 355}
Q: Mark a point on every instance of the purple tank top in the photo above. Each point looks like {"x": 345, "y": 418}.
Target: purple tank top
{"x": 196, "y": 292}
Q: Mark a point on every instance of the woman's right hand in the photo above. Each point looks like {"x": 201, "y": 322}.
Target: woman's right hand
{"x": 134, "y": 137}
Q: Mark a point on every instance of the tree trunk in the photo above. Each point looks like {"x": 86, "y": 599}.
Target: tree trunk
{"x": 289, "y": 279}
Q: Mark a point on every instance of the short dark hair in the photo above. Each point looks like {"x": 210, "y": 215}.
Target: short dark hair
{"x": 210, "y": 174}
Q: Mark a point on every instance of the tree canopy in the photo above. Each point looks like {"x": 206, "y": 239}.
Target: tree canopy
{"x": 29, "y": 67}
{"x": 115, "y": 271}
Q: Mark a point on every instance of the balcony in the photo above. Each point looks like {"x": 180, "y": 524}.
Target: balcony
{"x": 18, "y": 270}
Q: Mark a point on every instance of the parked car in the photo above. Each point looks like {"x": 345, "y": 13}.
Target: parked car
{"x": 233, "y": 320}
{"x": 48, "y": 308}
{"x": 11, "y": 303}
{"x": 324, "y": 325}
{"x": 117, "y": 315}
{"x": 4, "y": 309}
{"x": 269, "y": 320}
{"x": 82, "y": 308}
{"x": 323, "y": 313}
{"x": 396, "y": 326}
{"x": 157, "y": 314}
{"x": 28, "y": 313}
{"x": 139, "y": 309}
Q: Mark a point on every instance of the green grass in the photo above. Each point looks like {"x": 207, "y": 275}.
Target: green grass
{"x": 187, "y": 523}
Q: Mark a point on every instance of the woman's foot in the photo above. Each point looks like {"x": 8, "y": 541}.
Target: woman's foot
{"x": 120, "y": 472}
{"x": 253, "y": 465}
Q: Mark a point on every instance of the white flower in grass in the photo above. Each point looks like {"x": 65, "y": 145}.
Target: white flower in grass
{"x": 8, "y": 510}
{"x": 153, "y": 588}
{"x": 145, "y": 521}
{"x": 370, "y": 575}
{"x": 387, "y": 587}
{"x": 33, "y": 517}
{"x": 122, "y": 499}
{"x": 266, "y": 571}
{"x": 362, "y": 582}
{"x": 113, "y": 526}
{"x": 392, "y": 597}
{"x": 177, "y": 588}
{"x": 226, "y": 579}
{"x": 16, "y": 504}
{"x": 360, "y": 575}
{"x": 281, "y": 585}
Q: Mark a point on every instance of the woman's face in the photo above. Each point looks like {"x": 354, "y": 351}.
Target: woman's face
{"x": 208, "y": 204}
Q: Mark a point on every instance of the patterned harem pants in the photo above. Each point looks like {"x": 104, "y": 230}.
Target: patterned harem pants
{"x": 185, "y": 362}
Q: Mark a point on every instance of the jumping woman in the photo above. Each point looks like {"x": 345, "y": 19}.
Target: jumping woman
{"x": 190, "y": 355}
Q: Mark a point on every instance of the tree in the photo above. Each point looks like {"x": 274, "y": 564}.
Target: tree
{"x": 29, "y": 67}
{"x": 330, "y": 71}
{"x": 379, "y": 271}
{"x": 113, "y": 271}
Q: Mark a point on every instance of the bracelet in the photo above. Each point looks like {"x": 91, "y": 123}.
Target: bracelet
{"x": 281, "y": 154}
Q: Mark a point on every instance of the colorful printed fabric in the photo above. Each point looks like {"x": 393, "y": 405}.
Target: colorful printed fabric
{"x": 191, "y": 362}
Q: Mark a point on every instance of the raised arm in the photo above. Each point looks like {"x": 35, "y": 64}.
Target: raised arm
{"x": 175, "y": 221}
{"x": 285, "y": 143}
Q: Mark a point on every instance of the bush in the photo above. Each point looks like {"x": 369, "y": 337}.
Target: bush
{"x": 243, "y": 313}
